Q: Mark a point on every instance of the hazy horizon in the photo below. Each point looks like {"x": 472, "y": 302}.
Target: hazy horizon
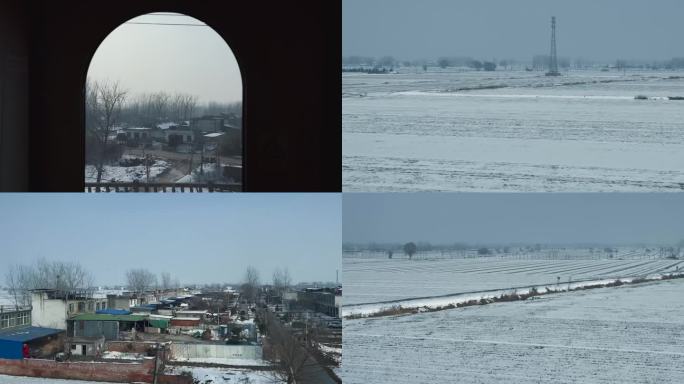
{"x": 601, "y": 31}
{"x": 500, "y": 219}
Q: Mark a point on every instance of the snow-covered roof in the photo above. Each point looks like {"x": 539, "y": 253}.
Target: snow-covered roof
{"x": 166, "y": 125}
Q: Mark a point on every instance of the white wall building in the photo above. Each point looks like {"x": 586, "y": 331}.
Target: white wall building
{"x": 52, "y": 308}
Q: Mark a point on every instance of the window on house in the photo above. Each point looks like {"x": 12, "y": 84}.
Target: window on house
{"x": 153, "y": 75}
{"x": 71, "y": 307}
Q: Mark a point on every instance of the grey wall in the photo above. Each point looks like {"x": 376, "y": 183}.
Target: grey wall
{"x": 189, "y": 351}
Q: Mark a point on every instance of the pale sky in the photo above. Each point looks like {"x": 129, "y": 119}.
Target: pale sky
{"x": 525, "y": 218}
{"x": 204, "y": 238}
{"x": 149, "y": 58}
{"x": 517, "y": 29}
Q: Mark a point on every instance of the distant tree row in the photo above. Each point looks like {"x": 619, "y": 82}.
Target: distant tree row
{"x": 43, "y": 274}
{"x": 538, "y": 62}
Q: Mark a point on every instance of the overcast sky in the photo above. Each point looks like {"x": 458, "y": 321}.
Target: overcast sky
{"x": 201, "y": 239}
{"x": 172, "y": 58}
{"x": 491, "y": 218}
{"x": 604, "y": 30}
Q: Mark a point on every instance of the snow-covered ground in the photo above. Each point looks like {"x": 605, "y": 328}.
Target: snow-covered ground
{"x": 126, "y": 174}
{"x": 581, "y": 132}
{"x": 382, "y": 280}
{"x": 627, "y": 334}
{"x": 333, "y": 352}
{"x": 203, "y": 173}
{"x": 4, "y": 379}
{"x": 115, "y": 355}
{"x": 204, "y": 375}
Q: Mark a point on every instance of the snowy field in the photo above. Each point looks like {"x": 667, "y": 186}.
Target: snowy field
{"x": 628, "y": 334}
{"x": 4, "y": 379}
{"x": 513, "y": 131}
{"x": 382, "y": 280}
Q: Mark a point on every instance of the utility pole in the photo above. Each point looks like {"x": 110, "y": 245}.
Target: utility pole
{"x": 147, "y": 169}
{"x": 553, "y": 61}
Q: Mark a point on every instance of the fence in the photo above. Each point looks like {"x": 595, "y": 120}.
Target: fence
{"x": 162, "y": 187}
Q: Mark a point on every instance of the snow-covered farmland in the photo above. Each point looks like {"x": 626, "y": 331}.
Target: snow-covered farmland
{"x": 628, "y": 334}
{"x": 512, "y": 131}
{"x": 382, "y": 280}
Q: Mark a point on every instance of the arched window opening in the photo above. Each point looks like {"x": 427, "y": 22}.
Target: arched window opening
{"x": 163, "y": 108}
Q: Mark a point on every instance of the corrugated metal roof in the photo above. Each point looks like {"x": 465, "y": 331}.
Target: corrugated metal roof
{"x": 106, "y": 317}
{"x": 25, "y": 334}
{"x": 111, "y": 311}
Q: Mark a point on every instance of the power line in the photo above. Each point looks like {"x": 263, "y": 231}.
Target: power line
{"x": 165, "y": 14}
{"x": 174, "y": 24}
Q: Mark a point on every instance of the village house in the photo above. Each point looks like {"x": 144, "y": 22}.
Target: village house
{"x": 51, "y": 308}
{"x": 136, "y": 134}
{"x": 124, "y": 300}
{"x": 105, "y": 325}
{"x": 323, "y": 300}
{"x": 86, "y": 346}
{"x": 41, "y": 342}
{"x": 14, "y": 316}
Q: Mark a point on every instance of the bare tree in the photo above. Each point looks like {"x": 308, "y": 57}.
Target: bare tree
{"x": 290, "y": 357}
{"x": 160, "y": 105}
{"x": 251, "y": 284}
{"x": 184, "y": 105}
{"x": 58, "y": 275}
{"x": 103, "y": 107}
{"x": 281, "y": 280}
{"x": 140, "y": 280}
{"x": 18, "y": 279}
{"x": 166, "y": 282}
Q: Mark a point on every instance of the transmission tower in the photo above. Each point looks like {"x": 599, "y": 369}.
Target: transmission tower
{"x": 553, "y": 60}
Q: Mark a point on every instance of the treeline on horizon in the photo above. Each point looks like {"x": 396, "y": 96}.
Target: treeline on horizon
{"x": 538, "y": 62}
{"x": 424, "y": 246}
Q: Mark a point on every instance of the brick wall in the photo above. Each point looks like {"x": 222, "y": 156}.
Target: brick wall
{"x": 115, "y": 372}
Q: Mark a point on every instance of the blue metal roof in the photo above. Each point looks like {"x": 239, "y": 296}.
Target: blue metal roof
{"x": 110, "y": 311}
{"x": 26, "y": 334}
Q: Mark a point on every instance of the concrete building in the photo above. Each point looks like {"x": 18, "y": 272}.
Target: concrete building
{"x": 323, "y": 300}
{"x": 14, "y": 316}
{"x": 194, "y": 314}
{"x": 107, "y": 326}
{"x": 207, "y": 124}
{"x": 122, "y": 301}
{"x": 41, "y": 341}
{"x": 86, "y": 346}
{"x": 185, "y": 322}
{"x": 138, "y": 134}
{"x": 52, "y": 308}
